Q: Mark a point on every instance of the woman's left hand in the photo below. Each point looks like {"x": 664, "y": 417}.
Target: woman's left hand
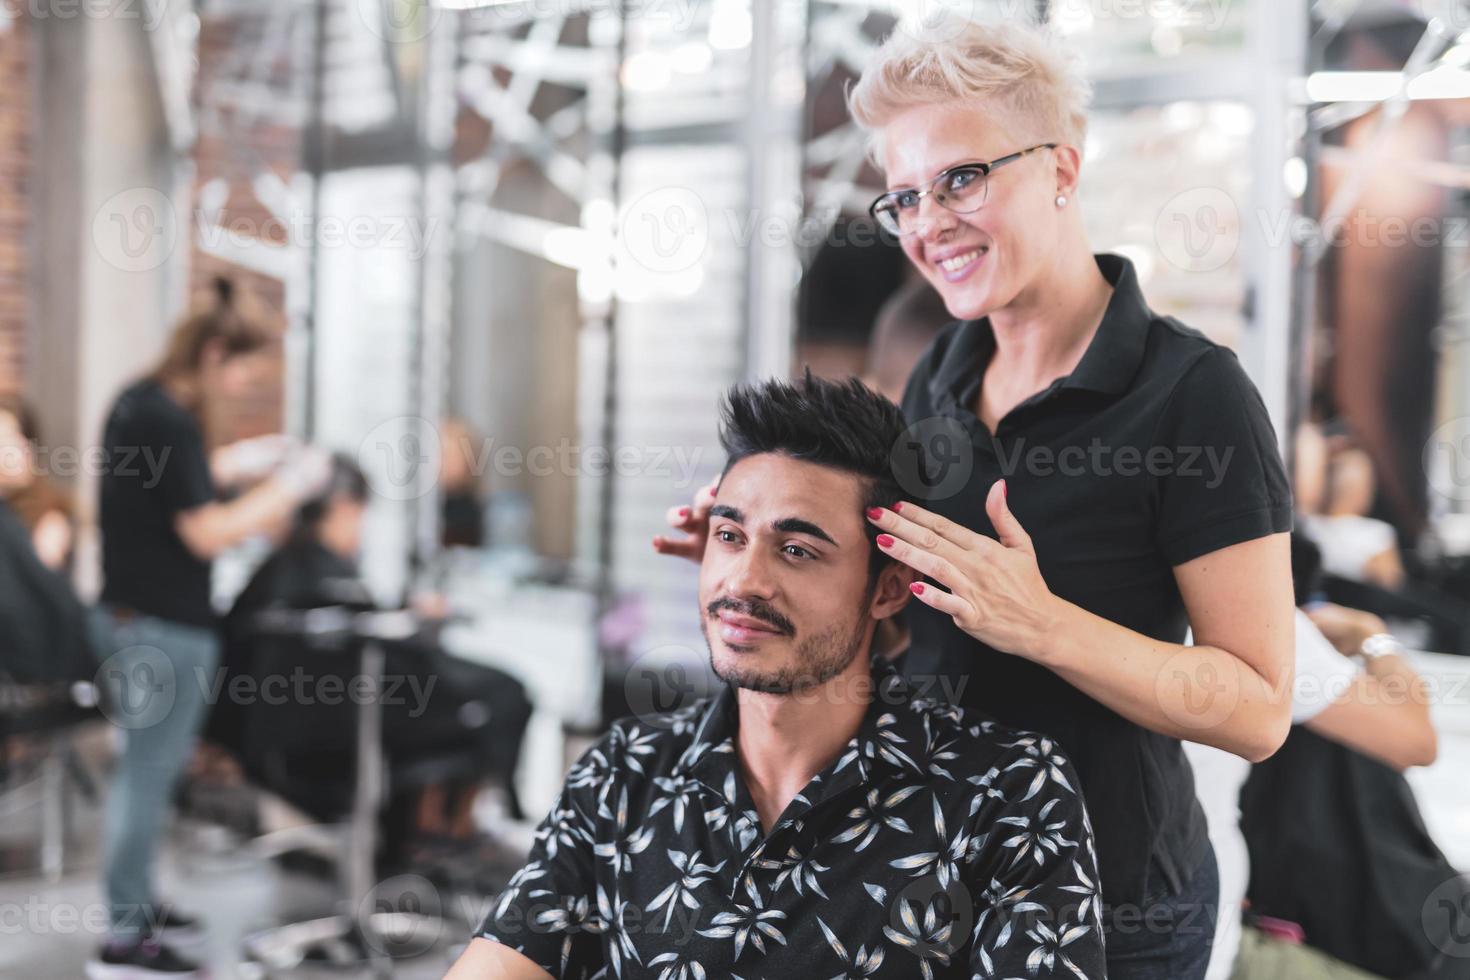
{"x": 996, "y": 592}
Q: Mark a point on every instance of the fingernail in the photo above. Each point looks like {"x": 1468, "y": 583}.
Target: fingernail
{"x": 885, "y": 541}
{"x": 874, "y": 513}
{"x": 897, "y": 506}
{"x": 917, "y": 588}
{"x": 711, "y": 491}
{"x": 683, "y": 511}
{"x": 1005, "y": 491}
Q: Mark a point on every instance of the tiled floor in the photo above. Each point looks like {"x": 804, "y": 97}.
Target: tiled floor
{"x": 48, "y": 931}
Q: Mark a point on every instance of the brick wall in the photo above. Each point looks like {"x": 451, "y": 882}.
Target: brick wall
{"x": 16, "y": 110}
{"x": 235, "y": 147}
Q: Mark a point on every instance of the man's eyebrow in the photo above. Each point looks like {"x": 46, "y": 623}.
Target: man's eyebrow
{"x": 728, "y": 512}
{"x": 798, "y": 526}
{"x": 788, "y": 525}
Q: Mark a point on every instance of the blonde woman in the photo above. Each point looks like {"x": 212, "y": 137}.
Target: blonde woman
{"x": 1099, "y": 477}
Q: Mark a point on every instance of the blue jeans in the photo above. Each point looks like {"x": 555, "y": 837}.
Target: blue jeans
{"x": 1169, "y": 937}
{"x": 154, "y": 679}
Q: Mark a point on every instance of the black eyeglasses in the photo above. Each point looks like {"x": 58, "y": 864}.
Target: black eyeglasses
{"x": 960, "y": 189}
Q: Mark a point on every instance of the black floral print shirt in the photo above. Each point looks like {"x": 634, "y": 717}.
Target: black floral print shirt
{"x": 937, "y": 845}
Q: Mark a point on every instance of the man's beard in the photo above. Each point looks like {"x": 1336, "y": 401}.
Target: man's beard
{"x": 818, "y": 659}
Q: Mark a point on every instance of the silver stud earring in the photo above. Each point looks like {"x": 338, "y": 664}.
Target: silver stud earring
{"x": 1061, "y": 200}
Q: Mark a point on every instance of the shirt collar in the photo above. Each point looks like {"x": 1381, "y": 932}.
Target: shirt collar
{"x": 1107, "y": 366}
{"x": 892, "y": 736}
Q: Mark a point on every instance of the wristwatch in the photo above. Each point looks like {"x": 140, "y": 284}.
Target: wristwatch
{"x": 1379, "y": 645}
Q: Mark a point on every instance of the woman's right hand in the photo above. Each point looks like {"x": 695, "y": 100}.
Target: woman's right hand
{"x": 693, "y": 520}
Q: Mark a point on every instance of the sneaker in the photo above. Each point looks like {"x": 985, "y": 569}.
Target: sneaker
{"x": 147, "y": 959}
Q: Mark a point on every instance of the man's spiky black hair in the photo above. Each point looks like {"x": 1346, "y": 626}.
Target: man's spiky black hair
{"x": 842, "y": 424}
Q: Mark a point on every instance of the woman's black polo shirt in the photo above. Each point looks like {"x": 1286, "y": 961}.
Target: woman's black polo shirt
{"x": 1157, "y": 449}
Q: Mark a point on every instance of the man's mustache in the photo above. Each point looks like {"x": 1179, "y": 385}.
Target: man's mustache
{"x": 755, "y": 610}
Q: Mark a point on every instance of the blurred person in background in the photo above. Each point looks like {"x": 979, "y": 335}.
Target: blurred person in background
{"x": 907, "y": 324}
{"x": 1335, "y": 489}
{"x": 1063, "y": 609}
{"x": 46, "y": 644}
{"x": 48, "y": 512}
{"x": 1342, "y": 873}
{"x": 460, "y": 704}
{"x": 459, "y": 484}
{"x": 162, "y": 526}
{"x": 1372, "y": 704}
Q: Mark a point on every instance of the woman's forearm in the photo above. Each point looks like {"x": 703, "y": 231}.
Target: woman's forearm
{"x": 1198, "y": 693}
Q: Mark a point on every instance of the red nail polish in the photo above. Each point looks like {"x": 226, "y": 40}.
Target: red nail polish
{"x": 897, "y": 506}
{"x": 885, "y": 541}
{"x": 917, "y": 588}
{"x": 874, "y": 513}
{"x": 1005, "y": 491}
{"x": 683, "y": 511}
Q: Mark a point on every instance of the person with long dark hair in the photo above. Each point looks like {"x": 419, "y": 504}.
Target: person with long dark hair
{"x": 162, "y": 526}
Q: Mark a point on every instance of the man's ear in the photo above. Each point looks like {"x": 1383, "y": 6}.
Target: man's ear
{"x": 891, "y": 592}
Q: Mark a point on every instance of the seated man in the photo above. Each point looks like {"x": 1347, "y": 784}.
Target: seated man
{"x": 816, "y": 818}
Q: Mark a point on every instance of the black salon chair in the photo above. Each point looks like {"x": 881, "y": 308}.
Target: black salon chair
{"x": 47, "y": 716}
{"x": 329, "y": 760}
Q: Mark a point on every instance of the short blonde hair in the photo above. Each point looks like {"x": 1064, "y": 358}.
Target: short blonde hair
{"x": 1024, "y": 71}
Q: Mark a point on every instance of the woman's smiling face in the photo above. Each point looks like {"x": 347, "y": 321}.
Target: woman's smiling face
{"x": 980, "y": 261}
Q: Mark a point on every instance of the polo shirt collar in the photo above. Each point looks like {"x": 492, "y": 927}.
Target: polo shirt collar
{"x": 1107, "y": 366}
